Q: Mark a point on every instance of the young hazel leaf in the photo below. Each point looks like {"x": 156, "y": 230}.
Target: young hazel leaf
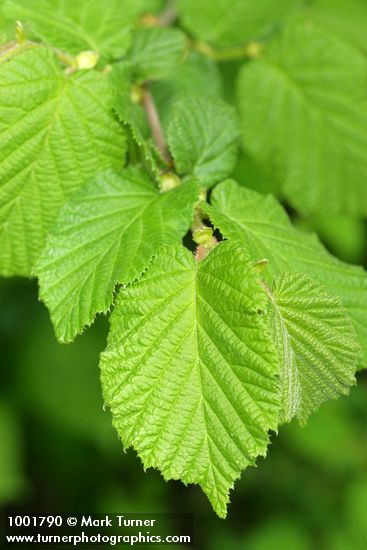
{"x": 316, "y": 339}
{"x": 106, "y": 235}
{"x": 304, "y": 113}
{"x": 156, "y": 52}
{"x": 190, "y": 371}
{"x": 202, "y": 136}
{"x": 79, "y": 25}
{"x": 56, "y": 131}
{"x": 262, "y": 227}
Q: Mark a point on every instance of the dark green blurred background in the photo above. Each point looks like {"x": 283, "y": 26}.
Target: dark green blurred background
{"x": 59, "y": 452}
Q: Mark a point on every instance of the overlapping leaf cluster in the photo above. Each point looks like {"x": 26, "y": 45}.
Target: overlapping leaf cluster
{"x": 208, "y": 353}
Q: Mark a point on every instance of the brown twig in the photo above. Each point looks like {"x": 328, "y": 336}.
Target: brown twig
{"x": 155, "y": 126}
{"x": 169, "y": 15}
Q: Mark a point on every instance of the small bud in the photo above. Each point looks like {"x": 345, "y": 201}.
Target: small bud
{"x": 86, "y": 60}
{"x": 136, "y": 94}
{"x": 203, "y": 236}
{"x": 201, "y": 253}
{"x": 169, "y": 181}
{"x": 20, "y": 36}
{"x": 203, "y": 194}
{"x": 149, "y": 20}
{"x": 261, "y": 265}
{"x": 255, "y": 50}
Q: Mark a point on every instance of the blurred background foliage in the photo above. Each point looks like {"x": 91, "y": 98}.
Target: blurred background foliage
{"x": 59, "y": 451}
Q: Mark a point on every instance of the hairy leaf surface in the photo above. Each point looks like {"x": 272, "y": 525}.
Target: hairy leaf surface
{"x": 79, "y": 25}
{"x": 303, "y": 112}
{"x": 316, "y": 339}
{"x": 262, "y": 227}
{"x": 202, "y": 136}
{"x": 190, "y": 371}
{"x": 56, "y": 131}
{"x": 106, "y": 235}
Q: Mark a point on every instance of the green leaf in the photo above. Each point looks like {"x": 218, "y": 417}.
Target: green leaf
{"x": 55, "y": 133}
{"x": 190, "y": 371}
{"x": 198, "y": 75}
{"x": 156, "y": 52}
{"x": 230, "y": 23}
{"x": 346, "y": 19}
{"x": 254, "y": 176}
{"x": 106, "y": 235}
{"x": 290, "y": 383}
{"x": 316, "y": 339}
{"x": 345, "y": 237}
{"x": 303, "y": 111}
{"x": 262, "y": 227}
{"x": 202, "y": 136}
{"x": 7, "y": 31}
{"x": 79, "y": 25}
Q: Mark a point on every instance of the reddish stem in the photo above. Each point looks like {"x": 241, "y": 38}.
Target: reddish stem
{"x": 155, "y": 126}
